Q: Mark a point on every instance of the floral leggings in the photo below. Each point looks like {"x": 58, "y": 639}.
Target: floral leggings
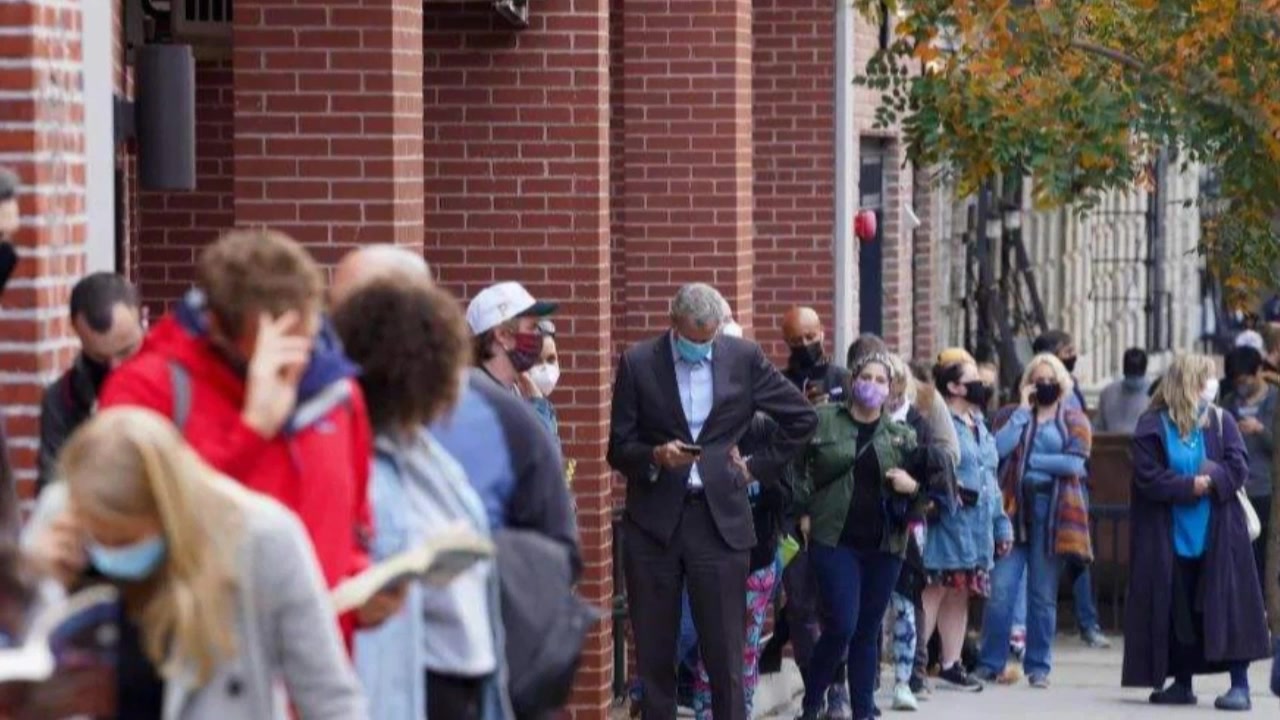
{"x": 759, "y": 592}
{"x": 904, "y": 637}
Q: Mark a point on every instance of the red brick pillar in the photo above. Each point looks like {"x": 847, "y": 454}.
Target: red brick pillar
{"x": 42, "y": 139}
{"x": 516, "y": 163}
{"x": 687, "y": 177}
{"x": 794, "y": 73}
{"x": 328, "y": 121}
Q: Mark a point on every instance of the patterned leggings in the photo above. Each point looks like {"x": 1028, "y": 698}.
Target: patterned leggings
{"x": 759, "y": 593}
{"x": 904, "y": 637}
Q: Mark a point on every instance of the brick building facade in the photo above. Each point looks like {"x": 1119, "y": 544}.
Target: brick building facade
{"x": 604, "y": 155}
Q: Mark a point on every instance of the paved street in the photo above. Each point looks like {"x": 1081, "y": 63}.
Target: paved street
{"x": 1085, "y": 685}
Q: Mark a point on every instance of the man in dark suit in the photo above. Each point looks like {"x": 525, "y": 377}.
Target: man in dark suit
{"x": 681, "y": 402}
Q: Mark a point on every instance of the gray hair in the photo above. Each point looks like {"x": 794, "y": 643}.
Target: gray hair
{"x": 701, "y": 303}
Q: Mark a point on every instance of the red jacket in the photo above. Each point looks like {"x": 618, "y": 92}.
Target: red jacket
{"x": 318, "y": 466}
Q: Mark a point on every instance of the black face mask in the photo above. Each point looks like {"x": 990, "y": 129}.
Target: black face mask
{"x": 97, "y": 371}
{"x": 1070, "y": 364}
{"x": 977, "y": 392}
{"x": 1047, "y": 393}
{"x": 804, "y": 357}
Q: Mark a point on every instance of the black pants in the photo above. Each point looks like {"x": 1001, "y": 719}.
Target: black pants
{"x": 716, "y": 577}
{"x": 454, "y": 698}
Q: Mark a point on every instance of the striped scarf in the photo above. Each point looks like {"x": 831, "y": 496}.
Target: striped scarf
{"x": 1069, "y": 523}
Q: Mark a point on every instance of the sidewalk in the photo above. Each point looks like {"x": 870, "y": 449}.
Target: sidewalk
{"x": 1086, "y": 684}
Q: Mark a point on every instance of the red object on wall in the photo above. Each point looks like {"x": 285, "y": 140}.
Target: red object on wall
{"x": 864, "y": 225}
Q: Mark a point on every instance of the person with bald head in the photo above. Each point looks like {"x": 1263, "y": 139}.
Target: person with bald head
{"x": 372, "y": 262}
{"x": 809, "y": 367}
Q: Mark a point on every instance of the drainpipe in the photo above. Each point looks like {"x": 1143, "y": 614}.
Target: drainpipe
{"x": 846, "y": 259}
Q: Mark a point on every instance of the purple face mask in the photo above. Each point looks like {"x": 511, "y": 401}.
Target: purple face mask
{"x": 869, "y": 394}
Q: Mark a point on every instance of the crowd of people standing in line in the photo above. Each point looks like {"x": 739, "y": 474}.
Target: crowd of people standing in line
{"x": 913, "y": 495}
{"x": 268, "y": 438}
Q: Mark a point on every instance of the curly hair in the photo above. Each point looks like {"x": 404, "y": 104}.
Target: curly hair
{"x": 411, "y": 340}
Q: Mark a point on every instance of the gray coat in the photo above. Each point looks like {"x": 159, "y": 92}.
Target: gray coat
{"x": 286, "y": 632}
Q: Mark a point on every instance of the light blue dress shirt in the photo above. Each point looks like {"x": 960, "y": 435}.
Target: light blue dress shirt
{"x": 696, "y": 395}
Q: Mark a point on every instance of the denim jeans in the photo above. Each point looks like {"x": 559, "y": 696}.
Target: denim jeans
{"x": 1041, "y": 571}
{"x": 1085, "y": 606}
{"x": 855, "y": 586}
{"x": 687, "y": 646}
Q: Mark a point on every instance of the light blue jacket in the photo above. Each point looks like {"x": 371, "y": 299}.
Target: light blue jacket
{"x": 965, "y": 539}
{"x": 389, "y": 659}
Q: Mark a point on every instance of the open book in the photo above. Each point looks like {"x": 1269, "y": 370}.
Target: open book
{"x": 65, "y": 663}
{"x": 437, "y": 561}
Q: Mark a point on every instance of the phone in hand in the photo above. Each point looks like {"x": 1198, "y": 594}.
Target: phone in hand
{"x": 694, "y": 450}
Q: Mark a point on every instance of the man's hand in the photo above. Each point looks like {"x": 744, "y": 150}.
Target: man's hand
{"x": 59, "y": 550}
{"x": 672, "y": 455}
{"x": 382, "y": 606}
{"x": 1003, "y": 547}
{"x": 816, "y": 395}
{"x": 804, "y": 528}
{"x": 1251, "y": 426}
{"x": 902, "y": 482}
{"x": 275, "y": 369}
{"x": 1203, "y": 485}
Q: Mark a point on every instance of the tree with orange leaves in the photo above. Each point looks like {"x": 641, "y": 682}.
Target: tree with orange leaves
{"x": 1079, "y": 95}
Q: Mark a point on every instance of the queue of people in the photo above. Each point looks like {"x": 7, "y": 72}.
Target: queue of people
{"x": 272, "y": 437}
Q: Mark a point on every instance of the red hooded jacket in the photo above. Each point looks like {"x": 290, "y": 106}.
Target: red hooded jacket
{"x": 318, "y": 465}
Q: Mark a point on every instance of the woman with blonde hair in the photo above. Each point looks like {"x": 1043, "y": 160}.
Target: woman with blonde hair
{"x": 1194, "y": 604}
{"x": 1043, "y": 445}
{"x": 223, "y": 597}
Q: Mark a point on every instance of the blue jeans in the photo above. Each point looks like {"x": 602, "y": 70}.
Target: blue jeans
{"x": 1041, "y": 571}
{"x": 687, "y": 645}
{"x": 855, "y": 587}
{"x": 1086, "y": 608}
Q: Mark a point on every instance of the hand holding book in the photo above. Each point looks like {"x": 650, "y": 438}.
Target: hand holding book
{"x": 437, "y": 561}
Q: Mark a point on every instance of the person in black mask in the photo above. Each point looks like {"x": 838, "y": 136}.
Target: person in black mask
{"x": 808, "y": 365}
{"x": 1060, "y": 344}
{"x": 106, "y": 318}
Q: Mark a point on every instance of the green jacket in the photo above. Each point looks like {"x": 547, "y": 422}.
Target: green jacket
{"x": 824, "y": 478}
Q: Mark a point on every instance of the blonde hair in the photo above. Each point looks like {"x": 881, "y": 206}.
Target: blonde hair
{"x": 903, "y": 383}
{"x": 1060, "y": 374}
{"x": 128, "y": 464}
{"x": 1180, "y": 389}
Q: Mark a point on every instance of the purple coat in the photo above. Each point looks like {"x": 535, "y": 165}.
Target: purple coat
{"x": 1235, "y": 623}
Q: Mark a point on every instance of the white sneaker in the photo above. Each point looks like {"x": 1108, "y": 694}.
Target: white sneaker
{"x": 904, "y": 699}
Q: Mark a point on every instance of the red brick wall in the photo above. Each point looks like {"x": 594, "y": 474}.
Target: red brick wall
{"x": 687, "y": 179}
{"x": 174, "y": 226}
{"x": 517, "y": 182}
{"x": 42, "y": 139}
{"x": 328, "y": 121}
{"x": 794, "y": 164}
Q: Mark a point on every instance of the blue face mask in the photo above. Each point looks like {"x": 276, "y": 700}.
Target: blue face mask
{"x": 1135, "y": 384}
{"x": 692, "y": 352}
{"x": 131, "y": 562}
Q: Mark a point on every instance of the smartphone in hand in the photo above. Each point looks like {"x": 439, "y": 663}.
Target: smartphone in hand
{"x": 694, "y": 450}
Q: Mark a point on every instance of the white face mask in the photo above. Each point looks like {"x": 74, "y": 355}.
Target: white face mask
{"x": 1210, "y": 392}
{"x": 545, "y": 377}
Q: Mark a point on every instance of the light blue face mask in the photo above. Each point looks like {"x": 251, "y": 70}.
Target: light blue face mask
{"x": 692, "y": 352}
{"x": 130, "y": 562}
{"x": 1135, "y": 384}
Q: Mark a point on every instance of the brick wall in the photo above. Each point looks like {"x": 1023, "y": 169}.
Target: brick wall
{"x": 517, "y": 182}
{"x": 328, "y": 121}
{"x": 42, "y": 139}
{"x": 794, "y": 68}
{"x": 687, "y": 193}
{"x": 924, "y": 270}
{"x": 174, "y": 226}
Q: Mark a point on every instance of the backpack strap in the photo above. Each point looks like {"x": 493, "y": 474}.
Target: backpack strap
{"x": 180, "y": 383}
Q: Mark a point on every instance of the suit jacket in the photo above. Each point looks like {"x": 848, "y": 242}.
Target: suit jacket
{"x": 647, "y": 413}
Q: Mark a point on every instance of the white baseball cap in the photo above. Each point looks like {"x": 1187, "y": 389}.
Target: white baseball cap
{"x": 505, "y": 301}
